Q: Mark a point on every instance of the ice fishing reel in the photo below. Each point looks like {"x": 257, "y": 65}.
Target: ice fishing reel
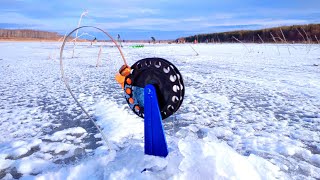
{"x": 153, "y": 89}
{"x": 160, "y": 73}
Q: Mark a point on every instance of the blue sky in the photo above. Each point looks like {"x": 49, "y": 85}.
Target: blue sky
{"x": 163, "y": 19}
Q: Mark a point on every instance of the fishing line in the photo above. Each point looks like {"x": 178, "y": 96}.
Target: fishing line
{"x": 197, "y": 54}
{"x": 65, "y": 80}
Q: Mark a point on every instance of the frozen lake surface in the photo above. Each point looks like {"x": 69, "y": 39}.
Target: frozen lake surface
{"x": 250, "y": 112}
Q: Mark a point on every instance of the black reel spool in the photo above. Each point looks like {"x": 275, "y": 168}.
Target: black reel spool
{"x": 166, "y": 79}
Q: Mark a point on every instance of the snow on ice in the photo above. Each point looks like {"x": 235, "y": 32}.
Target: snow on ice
{"x": 247, "y": 114}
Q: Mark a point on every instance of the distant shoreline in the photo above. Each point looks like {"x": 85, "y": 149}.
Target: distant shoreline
{"x": 79, "y": 40}
{"x": 28, "y": 40}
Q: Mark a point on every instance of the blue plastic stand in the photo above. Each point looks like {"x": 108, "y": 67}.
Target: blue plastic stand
{"x": 154, "y": 138}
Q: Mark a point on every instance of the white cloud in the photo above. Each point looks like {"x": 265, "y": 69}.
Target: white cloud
{"x": 121, "y": 12}
{"x": 193, "y": 19}
{"x": 16, "y": 18}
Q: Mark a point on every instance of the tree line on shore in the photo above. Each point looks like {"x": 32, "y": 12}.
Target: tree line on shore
{"x": 27, "y": 34}
{"x": 285, "y": 34}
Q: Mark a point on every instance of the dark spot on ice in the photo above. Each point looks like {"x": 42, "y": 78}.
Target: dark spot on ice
{"x": 2, "y": 173}
{"x": 247, "y": 153}
{"x": 201, "y": 134}
{"x": 15, "y": 174}
{"x": 31, "y": 151}
{"x": 64, "y": 152}
{"x": 79, "y": 153}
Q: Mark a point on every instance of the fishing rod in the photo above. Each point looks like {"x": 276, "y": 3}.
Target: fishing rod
{"x": 65, "y": 80}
